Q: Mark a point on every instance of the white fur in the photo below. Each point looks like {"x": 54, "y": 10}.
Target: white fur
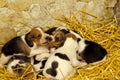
{"x": 64, "y": 67}
{"x": 39, "y": 50}
{"x": 82, "y": 44}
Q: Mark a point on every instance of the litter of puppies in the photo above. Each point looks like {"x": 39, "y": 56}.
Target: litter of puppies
{"x": 53, "y": 53}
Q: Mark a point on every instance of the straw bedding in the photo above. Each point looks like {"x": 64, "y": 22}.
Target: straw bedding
{"x": 108, "y": 35}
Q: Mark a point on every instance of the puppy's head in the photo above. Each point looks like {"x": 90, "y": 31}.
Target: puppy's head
{"x": 58, "y": 34}
{"x": 59, "y": 38}
{"x": 37, "y": 36}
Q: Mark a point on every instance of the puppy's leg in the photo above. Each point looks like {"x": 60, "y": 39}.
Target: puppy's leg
{"x": 3, "y": 60}
{"x": 41, "y": 56}
{"x": 76, "y": 62}
{"x": 38, "y": 51}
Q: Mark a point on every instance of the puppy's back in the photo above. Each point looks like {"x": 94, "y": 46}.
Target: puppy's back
{"x": 15, "y": 45}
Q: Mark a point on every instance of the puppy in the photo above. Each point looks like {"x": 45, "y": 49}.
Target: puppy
{"x": 28, "y": 44}
{"x": 60, "y": 64}
{"x": 18, "y": 64}
{"x": 91, "y": 52}
{"x": 59, "y": 36}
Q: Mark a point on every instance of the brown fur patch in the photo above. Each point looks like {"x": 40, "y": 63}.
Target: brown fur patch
{"x": 24, "y": 47}
{"x": 59, "y": 39}
{"x": 34, "y": 36}
{"x": 69, "y": 35}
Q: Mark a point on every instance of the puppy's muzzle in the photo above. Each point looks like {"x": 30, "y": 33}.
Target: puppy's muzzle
{"x": 49, "y": 38}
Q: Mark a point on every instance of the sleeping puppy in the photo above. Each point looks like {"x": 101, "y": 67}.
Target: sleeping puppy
{"x": 91, "y": 52}
{"x": 18, "y": 64}
{"x": 60, "y": 64}
{"x": 28, "y": 44}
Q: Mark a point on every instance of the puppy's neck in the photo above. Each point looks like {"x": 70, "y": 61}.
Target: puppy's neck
{"x": 23, "y": 39}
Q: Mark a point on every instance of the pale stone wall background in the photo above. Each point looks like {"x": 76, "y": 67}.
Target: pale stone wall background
{"x": 18, "y": 16}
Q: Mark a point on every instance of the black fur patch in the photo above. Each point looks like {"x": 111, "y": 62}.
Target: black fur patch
{"x": 75, "y": 31}
{"x": 54, "y": 64}
{"x": 62, "y": 56}
{"x": 52, "y": 72}
{"x": 12, "y": 47}
{"x": 65, "y": 31}
{"x": 28, "y": 41}
{"x": 21, "y": 57}
{"x": 43, "y": 63}
{"x": 51, "y": 30}
{"x": 93, "y": 52}
{"x": 35, "y": 61}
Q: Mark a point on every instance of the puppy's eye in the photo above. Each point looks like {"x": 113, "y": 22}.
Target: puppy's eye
{"x": 32, "y": 36}
{"x": 39, "y": 36}
{"x": 57, "y": 39}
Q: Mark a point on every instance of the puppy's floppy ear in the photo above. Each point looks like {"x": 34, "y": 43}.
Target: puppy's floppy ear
{"x": 28, "y": 39}
{"x": 69, "y": 35}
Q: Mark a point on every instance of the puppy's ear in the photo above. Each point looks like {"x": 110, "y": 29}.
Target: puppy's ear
{"x": 69, "y": 35}
{"x": 28, "y": 39}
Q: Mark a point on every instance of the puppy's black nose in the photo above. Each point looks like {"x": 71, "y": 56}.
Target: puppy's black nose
{"x": 49, "y": 38}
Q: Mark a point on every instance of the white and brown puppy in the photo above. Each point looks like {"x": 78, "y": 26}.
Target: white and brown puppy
{"x": 60, "y": 64}
{"x": 28, "y": 44}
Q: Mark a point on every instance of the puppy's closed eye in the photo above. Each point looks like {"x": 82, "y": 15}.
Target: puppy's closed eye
{"x": 58, "y": 39}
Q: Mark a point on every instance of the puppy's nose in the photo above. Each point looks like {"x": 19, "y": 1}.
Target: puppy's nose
{"x": 48, "y": 38}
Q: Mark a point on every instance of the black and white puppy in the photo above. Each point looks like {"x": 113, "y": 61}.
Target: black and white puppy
{"x": 18, "y": 64}
{"x": 91, "y": 52}
{"x": 60, "y": 64}
{"x": 28, "y": 44}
